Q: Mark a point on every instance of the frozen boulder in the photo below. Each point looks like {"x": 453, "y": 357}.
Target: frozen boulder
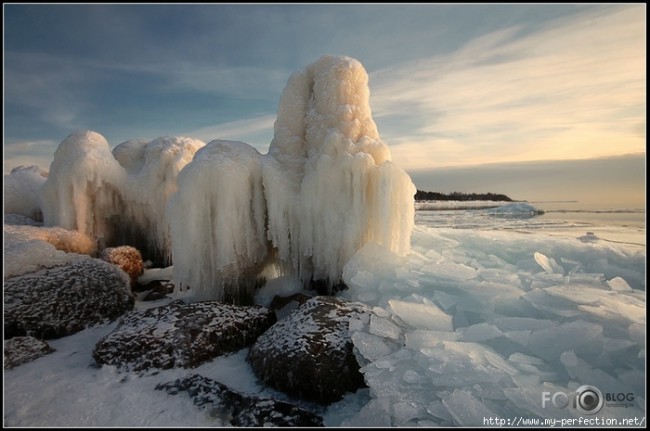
{"x": 31, "y": 248}
{"x": 309, "y": 353}
{"x": 127, "y": 258}
{"x": 19, "y": 350}
{"x": 181, "y": 335}
{"x": 217, "y": 220}
{"x": 22, "y": 188}
{"x": 60, "y": 301}
{"x": 238, "y": 409}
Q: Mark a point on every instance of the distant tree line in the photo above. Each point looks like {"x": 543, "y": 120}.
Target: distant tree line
{"x": 459, "y": 196}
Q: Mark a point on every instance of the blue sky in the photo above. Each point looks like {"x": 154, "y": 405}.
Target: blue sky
{"x": 451, "y": 85}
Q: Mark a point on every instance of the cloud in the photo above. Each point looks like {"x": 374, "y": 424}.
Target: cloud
{"x": 573, "y": 89}
{"x": 39, "y": 153}
{"x": 51, "y": 87}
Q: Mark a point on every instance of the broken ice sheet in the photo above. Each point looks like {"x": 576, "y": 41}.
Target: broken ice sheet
{"x": 548, "y": 264}
{"x": 480, "y": 332}
{"x": 421, "y": 338}
{"x": 465, "y": 409}
{"x": 421, "y": 316}
{"x": 551, "y": 342}
{"x": 384, "y": 328}
{"x": 618, "y": 284}
{"x": 370, "y": 346}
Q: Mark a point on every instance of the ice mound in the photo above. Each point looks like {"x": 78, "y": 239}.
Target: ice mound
{"x": 218, "y": 220}
{"x": 515, "y": 210}
{"x": 329, "y": 182}
{"x": 21, "y": 191}
{"x": 325, "y": 190}
{"x": 117, "y": 197}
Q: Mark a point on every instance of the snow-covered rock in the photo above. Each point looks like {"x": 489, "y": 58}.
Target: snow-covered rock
{"x": 18, "y": 219}
{"x": 238, "y": 409}
{"x": 32, "y": 248}
{"x": 181, "y": 335}
{"x": 309, "y": 353}
{"x": 19, "y": 350}
{"x": 55, "y": 302}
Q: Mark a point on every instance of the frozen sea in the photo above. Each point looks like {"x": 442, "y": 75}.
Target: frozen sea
{"x": 496, "y": 317}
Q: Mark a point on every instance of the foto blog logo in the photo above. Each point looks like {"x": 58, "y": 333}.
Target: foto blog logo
{"x": 586, "y": 399}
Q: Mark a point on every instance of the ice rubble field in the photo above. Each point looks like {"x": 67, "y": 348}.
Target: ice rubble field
{"x": 476, "y": 324}
{"x": 471, "y": 324}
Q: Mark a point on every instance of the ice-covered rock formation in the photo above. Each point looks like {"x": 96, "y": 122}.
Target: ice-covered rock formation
{"x": 329, "y": 183}
{"x": 22, "y": 188}
{"x": 84, "y": 187}
{"x": 217, "y": 220}
{"x": 153, "y": 168}
{"x": 326, "y": 188}
{"x": 117, "y": 197}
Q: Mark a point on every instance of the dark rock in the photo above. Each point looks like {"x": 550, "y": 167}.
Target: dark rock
{"x": 238, "y": 409}
{"x": 157, "y": 289}
{"x": 60, "y": 301}
{"x": 282, "y": 306}
{"x": 309, "y": 353}
{"x": 126, "y": 257}
{"x": 19, "y": 350}
{"x": 181, "y": 335}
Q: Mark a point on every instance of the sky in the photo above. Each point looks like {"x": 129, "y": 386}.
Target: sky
{"x": 453, "y": 87}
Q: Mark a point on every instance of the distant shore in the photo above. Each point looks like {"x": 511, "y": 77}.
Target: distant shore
{"x": 460, "y": 197}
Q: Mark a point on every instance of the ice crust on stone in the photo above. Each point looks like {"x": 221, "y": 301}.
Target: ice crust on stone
{"x": 326, "y": 189}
